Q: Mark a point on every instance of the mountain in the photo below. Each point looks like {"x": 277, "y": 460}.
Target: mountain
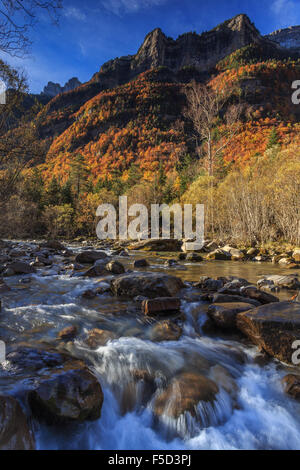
{"x": 288, "y": 38}
{"x": 201, "y": 52}
{"x": 53, "y": 89}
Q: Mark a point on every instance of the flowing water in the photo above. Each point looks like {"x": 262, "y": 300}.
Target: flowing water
{"x": 254, "y": 414}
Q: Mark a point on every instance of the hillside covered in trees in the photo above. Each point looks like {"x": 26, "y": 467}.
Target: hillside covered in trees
{"x": 139, "y": 138}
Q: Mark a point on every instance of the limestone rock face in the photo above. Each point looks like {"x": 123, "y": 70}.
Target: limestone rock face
{"x": 202, "y": 52}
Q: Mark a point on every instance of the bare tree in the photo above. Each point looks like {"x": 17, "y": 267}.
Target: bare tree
{"x": 206, "y": 110}
{"x": 17, "y": 17}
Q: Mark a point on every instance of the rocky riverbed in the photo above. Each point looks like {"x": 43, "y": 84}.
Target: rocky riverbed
{"x": 111, "y": 347}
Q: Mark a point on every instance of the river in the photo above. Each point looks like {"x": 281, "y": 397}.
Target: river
{"x": 257, "y": 415}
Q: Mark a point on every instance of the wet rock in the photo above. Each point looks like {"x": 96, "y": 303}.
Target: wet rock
{"x": 157, "y": 245}
{"x": 194, "y": 258}
{"x": 53, "y": 245}
{"x": 171, "y": 263}
{"x": 161, "y": 306}
{"x": 291, "y": 385}
{"x": 99, "y": 269}
{"x": 219, "y": 255}
{"x": 89, "y": 257}
{"x": 290, "y": 281}
{"x": 15, "y": 432}
{"x": 224, "y": 315}
{"x": 182, "y": 256}
{"x": 19, "y": 267}
{"x": 115, "y": 267}
{"x": 183, "y": 395}
{"x": 224, "y": 379}
{"x": 89, "y": 294}
{"x": 273, "y": 327}
{"x": 223, "y": 298}
{"x": 68, "y": 333}
{"x": 150, "y": 285}
{"x": 97, "y": 338}
{"x": 208, "y": 284}
{"x": 4, "y": 288}
{"x": 263, "y": 297}
{"x": 140, "y": 263}
{"x": 138, "y": 391}
{"x": 165, "y": 331}
{"x": 71, "y": 396}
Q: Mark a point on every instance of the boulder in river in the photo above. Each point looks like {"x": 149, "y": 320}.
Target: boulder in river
{"x": 224, "y": 298}
{"x": 273, "y": 327}
{"x": 224, "y": 315}
{"x": 183, "y": 394}
{"x": 53, "y": 245}
{"x": 252, "y": 292}
{"x": 68, "y": 333}
{"x": 97, "y": 338}
{"x": 208, "y": 284}
{"x": 90, "y": 256}
{"x": 165, "y": 331}
{"x": 20, "y": 267}
{"x": 64, "y": 390}
{"x": 140, "y": 263}
{"x": 150, "y": 285}
{"x": 115, "y": 267}
{"x": 15, "y": 432}
{"x": 161, "y": 306}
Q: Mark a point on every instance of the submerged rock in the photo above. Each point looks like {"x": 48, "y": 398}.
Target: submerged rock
{"x": 97, "y": 338}
{"x": 273, "y": 327}
{"x": 150, "y": 285}
{"x": 165, "y": 331}
{"x": 183, "y": 395}
{"x": 15, "y": 432}
{"x": 68, "y": 333}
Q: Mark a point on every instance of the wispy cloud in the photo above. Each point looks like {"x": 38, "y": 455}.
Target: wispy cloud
{"x": 119, "y": 7}
{"x": 74, "y": 13}
{"x": 287, "y": 12}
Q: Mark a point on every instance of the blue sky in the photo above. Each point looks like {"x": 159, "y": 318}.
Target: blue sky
{"x": 94, "y": 31}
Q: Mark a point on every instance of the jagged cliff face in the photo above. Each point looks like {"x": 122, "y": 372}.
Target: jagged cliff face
{"x": 202, "y": 52}
{"x": 288, "y": 38}
{"x": 53, "y": 89}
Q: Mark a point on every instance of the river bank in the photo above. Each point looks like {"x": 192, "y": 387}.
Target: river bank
{"x": 145, "y": 340}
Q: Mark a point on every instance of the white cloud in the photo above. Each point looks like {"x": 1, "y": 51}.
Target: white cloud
{"x": 287, "y": 12}
{"x": 74, "y": 14}
{"x": 129, "y": 6}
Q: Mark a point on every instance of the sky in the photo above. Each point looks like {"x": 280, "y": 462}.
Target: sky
{"x": 94, "y": 31}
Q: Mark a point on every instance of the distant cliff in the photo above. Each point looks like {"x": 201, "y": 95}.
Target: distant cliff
{"x": 53, "y": 89}
{"x": 201, "y": 52}
{"x": 288, "y": 38}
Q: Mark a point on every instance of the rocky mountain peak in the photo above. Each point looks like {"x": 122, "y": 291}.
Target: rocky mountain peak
{"x": 53, "y": 89}
{"x": 200, "y": 51}
{"x": 288, "y": 37}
